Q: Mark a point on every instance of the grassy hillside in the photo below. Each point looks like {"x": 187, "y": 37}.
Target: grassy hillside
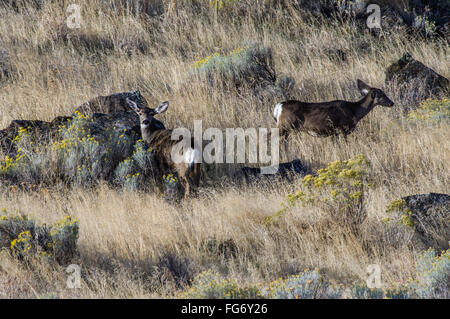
{"x": 135, "y": 244}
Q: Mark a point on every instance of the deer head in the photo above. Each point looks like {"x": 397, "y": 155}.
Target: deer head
{"x": 146, "y": 114}
{"x": 377, "y": 95}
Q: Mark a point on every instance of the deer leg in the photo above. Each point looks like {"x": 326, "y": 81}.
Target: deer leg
{"x": 284, "y": 140}
{"x": 194, "y": 177}
{"x": 186, "y": 185}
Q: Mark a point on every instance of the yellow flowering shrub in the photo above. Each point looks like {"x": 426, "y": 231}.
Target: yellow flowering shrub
{"x": 399, "y": 205}
{"x": 82, "y": 152}
{"x": 23, "y": 137}
{"x": 431, "y": 111}
{"x": 339, "y": 189}
{"x": 22, "y": 244}
{"x": 220, "y": 4}
{"x": 25, "y": 239}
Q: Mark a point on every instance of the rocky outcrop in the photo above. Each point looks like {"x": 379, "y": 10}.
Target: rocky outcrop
{"x": 415, "y": 80}
{"x": 112, "y": 103}
{"x": 430, "y": 214}
{"x": 41, "y": 130}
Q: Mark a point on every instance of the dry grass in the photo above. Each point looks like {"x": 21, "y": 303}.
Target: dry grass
{"x": 136, "y": 245}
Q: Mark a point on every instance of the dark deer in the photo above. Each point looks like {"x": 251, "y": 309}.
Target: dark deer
{"x": 328, "y": 118}
{"x": 161, "y": 142}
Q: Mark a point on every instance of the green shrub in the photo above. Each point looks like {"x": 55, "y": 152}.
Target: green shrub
{"x": 136, "y": 172}
{"x": 398, "y": 293}
{"x": 339, "y": 189}
{"x": 64, "y": 236}
{"x": 307, "y": 285}
{"x": 172, "y": 188}
{"x": 83, "y": 157}
{"x": 247, "y": 66}
{"x": 433, "y": 275}
{"x": 364, "y": 292}
{"x": 425, "y": 24}
{"x": 431, "y": 281}
{"x": 208, "y": 285}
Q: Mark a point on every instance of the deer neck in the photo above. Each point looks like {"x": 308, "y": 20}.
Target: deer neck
{"x": 148, "y": 131}
{"x": 363, "y": 107}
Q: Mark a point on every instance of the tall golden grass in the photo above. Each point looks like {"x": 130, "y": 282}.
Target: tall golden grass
{"x": 137, "y": 245}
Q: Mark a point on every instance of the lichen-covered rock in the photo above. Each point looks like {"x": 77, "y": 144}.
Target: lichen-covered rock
{"x": 415, "y": 80}
{"x": 430, "y": 217}
{"x": 112, "y": 103}
{"x": 42, "y": 132}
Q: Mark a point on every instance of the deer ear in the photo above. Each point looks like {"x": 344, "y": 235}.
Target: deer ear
{"x": 363, "y": 87}
{"x": 132, "y": 105}
{"x": 162, "y": 107}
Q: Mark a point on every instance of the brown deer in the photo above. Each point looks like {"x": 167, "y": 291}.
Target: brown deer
{"x": 328, "y": 118}
{"x": 160, "y": 141}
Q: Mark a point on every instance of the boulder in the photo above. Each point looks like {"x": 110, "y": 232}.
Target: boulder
{"x": 41, "y": 130}
{"x": 116, "y": 109}
{"x": 112, "y": 103}
{"x": 430, "y": 214}
{"x": 287, "y": 170}
{"x": 415, "y": 80}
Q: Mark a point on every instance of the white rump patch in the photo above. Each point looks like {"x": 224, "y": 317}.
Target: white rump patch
{"x": 192, "y": 156}
{"x": 277, "y": 111}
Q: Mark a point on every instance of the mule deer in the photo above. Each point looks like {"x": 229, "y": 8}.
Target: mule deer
{"x": 328, "y": 118}
{"x": 161, "y": 143}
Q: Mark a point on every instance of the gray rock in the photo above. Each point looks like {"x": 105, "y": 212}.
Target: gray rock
{"x": 285, "y": 171}
{"x": 431, "y": 217}
{"x": 41, "y": 130}
{"x": 415, "y": 80}
{"x": 112, "y": 103}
